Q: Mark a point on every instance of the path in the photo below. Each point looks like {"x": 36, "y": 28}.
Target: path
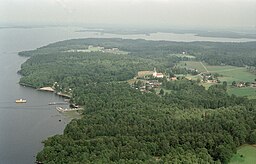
{"x": 204, "y": 67}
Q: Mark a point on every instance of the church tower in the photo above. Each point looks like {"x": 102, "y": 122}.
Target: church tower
{"x": 155, "y": 73}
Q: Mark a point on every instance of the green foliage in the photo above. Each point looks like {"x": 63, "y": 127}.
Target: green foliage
{"x": 252, "y": 137}
{"x": 122, "y": 125}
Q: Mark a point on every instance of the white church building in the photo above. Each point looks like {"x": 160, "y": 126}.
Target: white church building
{"x": 157, "y": 75}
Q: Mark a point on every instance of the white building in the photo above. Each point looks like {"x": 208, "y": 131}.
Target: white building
{"x": 157, "y": 75}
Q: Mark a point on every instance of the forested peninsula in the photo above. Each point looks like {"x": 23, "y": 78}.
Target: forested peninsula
{"x": 154, "y": 118}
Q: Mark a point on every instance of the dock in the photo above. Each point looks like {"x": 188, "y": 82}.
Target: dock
{"x": 58, "y": 103}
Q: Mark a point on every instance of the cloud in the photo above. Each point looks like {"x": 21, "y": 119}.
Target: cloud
{"x": 132, "y": 12}
{"x": 65, "y": 6}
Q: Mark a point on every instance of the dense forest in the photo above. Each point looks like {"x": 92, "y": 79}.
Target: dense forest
{"x": 120, "y": 124}
{"x": 54, "y": 63}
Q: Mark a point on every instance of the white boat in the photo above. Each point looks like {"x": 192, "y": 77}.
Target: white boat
{"x": 21, "y": 101}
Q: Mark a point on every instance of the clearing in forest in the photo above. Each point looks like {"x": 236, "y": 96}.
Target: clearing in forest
{"x": 246, "y": 154}
{"x": 227, "y": 73}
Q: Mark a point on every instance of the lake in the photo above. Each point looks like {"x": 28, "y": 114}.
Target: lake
{"x": 24, "y": 126}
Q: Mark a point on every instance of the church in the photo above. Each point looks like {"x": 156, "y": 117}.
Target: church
{"x": 157, "y": 75}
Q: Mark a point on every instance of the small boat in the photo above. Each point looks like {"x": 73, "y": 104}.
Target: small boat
{"x": 21, "y": 101}
{"x": 59, "y": 109}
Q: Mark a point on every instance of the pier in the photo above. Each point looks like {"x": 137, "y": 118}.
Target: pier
{"x": 58, "y": 103}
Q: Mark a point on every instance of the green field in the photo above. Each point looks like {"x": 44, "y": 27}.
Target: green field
{"x": 246, "y": 154}
{"x": 192, "y": 64}
{"x": 248, "y": 91}
{"x": 73, "y": 114}
{"x": 94, "y": 49}
{"x": 228, "y": 73}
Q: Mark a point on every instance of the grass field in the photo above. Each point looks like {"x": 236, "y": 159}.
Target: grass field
{"x": 94, "y": 49}
{"x": 246, "y": 154}
{"x": 248, "y": 91}
{"x": 229, "y": 74}
{"x": 73, "y": 114}
{"x": 192, "y": 64}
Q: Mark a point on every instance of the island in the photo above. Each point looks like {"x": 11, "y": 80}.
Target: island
{"x": 148, "y": 101}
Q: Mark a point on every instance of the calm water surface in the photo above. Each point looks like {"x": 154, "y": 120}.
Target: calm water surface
{"x": 24, "y": 126}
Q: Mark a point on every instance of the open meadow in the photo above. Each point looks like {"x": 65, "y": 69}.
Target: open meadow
{"x": 228, "y": 74}
{"x": 246, "y": 91}
{"x": 246, "y": 154}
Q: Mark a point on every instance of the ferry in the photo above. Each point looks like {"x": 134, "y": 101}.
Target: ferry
{"x": 21, "y": 101}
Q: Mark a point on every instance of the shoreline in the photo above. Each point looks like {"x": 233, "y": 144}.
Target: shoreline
{"x": 27, "y": 85}
{"x": 46, "y": 89}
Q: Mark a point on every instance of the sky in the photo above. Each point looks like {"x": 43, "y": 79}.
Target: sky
{"x": 140, "y": 13}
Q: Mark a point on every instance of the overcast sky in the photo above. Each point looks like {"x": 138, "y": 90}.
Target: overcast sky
{"x": 201, "y": 13}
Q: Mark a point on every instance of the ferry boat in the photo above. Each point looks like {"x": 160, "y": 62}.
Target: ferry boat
{"x": 21, "y": 101}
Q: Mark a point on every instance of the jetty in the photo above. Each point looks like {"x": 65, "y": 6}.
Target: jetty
{"x": 50, "y": 89}
{"x": 58, "y": 103}
{"x": 63, "y": 95}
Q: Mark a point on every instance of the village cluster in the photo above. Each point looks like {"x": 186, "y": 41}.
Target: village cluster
{"x": 92, "y": 48}
{"x": 145, "y": 81}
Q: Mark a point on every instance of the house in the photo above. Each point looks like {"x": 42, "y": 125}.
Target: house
{"x": 157, "y": 75}
{"x": 173, "y": 78}
{"x": 240, "y": 84}
{"x": 253, "y": 84}
{"x": 153, "y": 84}
{"x": 115, "y": 49}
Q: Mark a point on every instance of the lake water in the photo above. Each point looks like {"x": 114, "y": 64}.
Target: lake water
{"x": 24, "y": 126}
{"x": 188, "y": 37}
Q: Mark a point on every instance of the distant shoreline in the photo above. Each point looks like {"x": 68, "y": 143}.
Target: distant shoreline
{"x": 199, "y": 33}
